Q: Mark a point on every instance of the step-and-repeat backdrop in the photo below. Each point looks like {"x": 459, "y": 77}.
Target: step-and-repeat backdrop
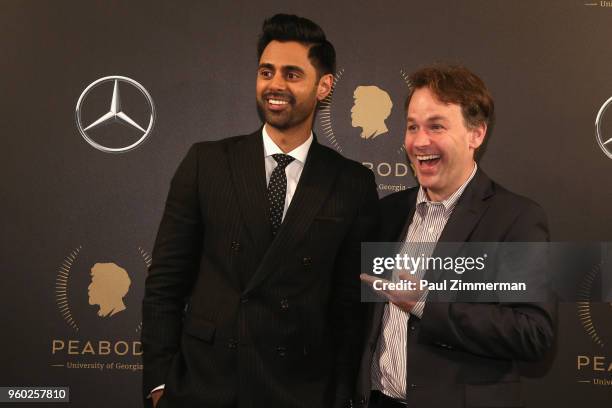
{"x": 99, "y": 100}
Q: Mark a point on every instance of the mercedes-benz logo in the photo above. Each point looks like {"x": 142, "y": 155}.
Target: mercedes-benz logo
{"x": 115, "y": 114}
{"x": 605, "y": 144}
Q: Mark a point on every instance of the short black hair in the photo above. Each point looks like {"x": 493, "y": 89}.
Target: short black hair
{"x": 289, "y": 27}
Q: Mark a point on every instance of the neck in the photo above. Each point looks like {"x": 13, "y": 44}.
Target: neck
{"x": 380, "y": 130}
{"x": 438, "y": 196}
{"x": 367, "y": 132}
{"x": 372, "y": 132}
{"x": 109, "y": 310}
{"x": 289, "y": 139}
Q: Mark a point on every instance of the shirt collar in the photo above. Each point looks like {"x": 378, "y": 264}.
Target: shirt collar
{"x": 299, "y": 153}
{"x": 450, "y": 203}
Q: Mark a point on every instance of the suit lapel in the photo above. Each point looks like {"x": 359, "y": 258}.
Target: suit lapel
{"x": 470, "y": 208}
{"x": 395, "y": 223}
{"x": 399, "y": 220}
{"x": 314, "y": 187}
{"x": 377, "y": 311}
{"x": 249, "y": 177}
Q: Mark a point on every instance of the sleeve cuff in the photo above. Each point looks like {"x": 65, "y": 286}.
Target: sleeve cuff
{"x": 419, "y": 306}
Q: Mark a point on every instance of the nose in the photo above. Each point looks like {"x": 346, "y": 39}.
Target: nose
{"x": 421, "y": 140}
{"x": 417, "y": 139}
{"x": 278, "y": 83}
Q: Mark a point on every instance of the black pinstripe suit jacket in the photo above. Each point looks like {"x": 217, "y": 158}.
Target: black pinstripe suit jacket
{"x": 232, "y": 318}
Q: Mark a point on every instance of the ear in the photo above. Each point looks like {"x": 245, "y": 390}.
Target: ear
{"x": 325, "y": 86}
{"x": 477, "y": 136}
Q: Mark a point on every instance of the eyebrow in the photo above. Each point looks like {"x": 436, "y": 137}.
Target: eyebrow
{"x": 430, "y": 119}
{"x": 284, "y": 68}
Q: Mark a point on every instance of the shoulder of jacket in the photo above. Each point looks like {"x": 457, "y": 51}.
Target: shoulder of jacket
{"x": 207, "y": 147}
{"x": 512, "y": 199}
{"x": 399, "y": 198}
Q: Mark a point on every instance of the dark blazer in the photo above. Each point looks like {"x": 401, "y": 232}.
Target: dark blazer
{"x": 465, "y": 354}
{"x": 234, "y": 318}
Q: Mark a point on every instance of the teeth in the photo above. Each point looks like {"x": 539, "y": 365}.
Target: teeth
{"x": 428, "y": 157}
{"x": 277, "y": 102}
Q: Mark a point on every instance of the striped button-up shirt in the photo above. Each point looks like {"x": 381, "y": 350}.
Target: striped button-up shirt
{"x": 389, "y": 363}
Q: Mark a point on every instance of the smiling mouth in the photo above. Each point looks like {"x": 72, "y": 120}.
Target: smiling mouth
{"x": 277, "y": 102}
{"x": 428, "y": 161}
{"x": 277, "y": 105}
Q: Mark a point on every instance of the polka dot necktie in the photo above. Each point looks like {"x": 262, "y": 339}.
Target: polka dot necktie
{"x": 277, "y": 190}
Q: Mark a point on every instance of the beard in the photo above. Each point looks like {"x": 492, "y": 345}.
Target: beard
{"x": 295, "y": 114}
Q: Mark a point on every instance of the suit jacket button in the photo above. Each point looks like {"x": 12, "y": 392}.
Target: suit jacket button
{"x": 306, "y": 261}
{"x": 232, "y": 344}
{"x": 282, "y": 351}
{"x": 235, "y": 246}
{"x": 244, "y": 299}
{"x": 284, "y": 304}
{"x": 413, "y": 385}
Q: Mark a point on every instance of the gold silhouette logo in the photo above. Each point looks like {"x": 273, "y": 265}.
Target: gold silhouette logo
{"x": 355, "y": 114}
{"x": 109, "y": 285}
{"x": 371, "y": 108}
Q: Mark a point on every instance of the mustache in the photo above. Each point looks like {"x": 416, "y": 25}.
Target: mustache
{"x": 285, "y": 96}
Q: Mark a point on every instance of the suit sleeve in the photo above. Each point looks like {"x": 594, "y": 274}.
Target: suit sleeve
{"x": 347, "y": 309}
{"x": 516, "y": 331}
{"x": 172, "y": 272}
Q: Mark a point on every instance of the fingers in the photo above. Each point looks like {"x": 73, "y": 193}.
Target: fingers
{"x": 155, "y": 396}
{"x": 403, "y": 275}
{"x": 369, "y": 279}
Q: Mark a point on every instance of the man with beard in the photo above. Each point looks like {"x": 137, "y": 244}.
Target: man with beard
{"x": 252, "y": 298}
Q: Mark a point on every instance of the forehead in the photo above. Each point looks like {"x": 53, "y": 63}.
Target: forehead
{"x": 424, "y": 104}
{"x": 286, "y": 53}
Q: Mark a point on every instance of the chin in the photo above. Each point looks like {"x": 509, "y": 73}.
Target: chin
{"x": 280, "y": 125}
{"x": 426, "y": 182}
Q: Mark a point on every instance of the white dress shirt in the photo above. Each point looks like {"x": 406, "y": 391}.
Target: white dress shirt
{"x": 293, "y": 169}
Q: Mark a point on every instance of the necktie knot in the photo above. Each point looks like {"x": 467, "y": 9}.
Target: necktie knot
{"x": 283, "y": 160}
